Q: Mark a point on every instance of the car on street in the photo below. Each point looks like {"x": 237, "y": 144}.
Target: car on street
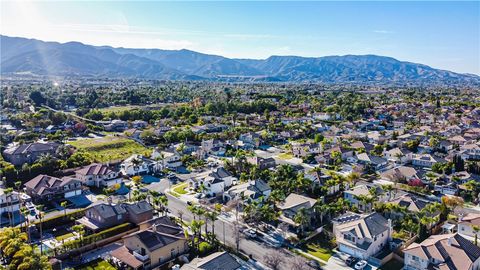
{"x": 250, "y": 233}
{"x": 360, "y": 265}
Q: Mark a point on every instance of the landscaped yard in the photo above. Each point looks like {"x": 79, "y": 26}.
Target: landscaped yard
{"x": 96, "y": 265}
{"x": 285, "y": 156}
{"x": 110, "y": 148}
{"x": 63, "y": 237}
{"x": 180, "y": 189}
{"x": 318, "y": 247}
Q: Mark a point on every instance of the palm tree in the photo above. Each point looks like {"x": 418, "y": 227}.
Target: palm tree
{"x": 476, "y": 229}
{"x": 196, "y": 226}
{"x": 388, "y": 188}
{"x": 212, "y": 216}
{"x": 302, "y": 218}
{"x": 180, "y": 215}
{"x": 80, "y": 230}
{"x": 164, "y": 202}
{"x": 321, "y": 209}
{"x": 40, "y": 214}
{"x": 64, "y": 205}
{"x": 8, "y": 194}
{"x": 25, "y": 213}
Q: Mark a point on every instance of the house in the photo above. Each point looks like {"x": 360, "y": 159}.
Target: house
{"x": 445, "y": 251}
{"x": 262, "y": 163}
{"x": 400, "y": 174}
{"x": 214, "y": 182}
{"x": 168, "y": 159}
{"x": 116, "y": 125}
{"x": 46, "y": 188}
{"x": 362, "y": 236}
{"x": 212, "y": 147}
{"x": 470, "y": 151}
{"x": 450, "y": 188}
{"x": 425, "y": 160}
{"x": 251, "y": 191}
{"x": 292, "y": 205}
{"x": 398, "y": 155}
{"x": 105, "y": 215}
{"x": 320, "y": 179}
{"x": 10, "y": 202}
{"x": 375, "y": 161}
{"x": 152, "y": 248}
{"x": 139, "y": 124}
{"x": 138, "y": 165}
{"x": 303, "y": 150}
{"x": 467, "y": 223}
{"x": 98, "y": 175}
{"x": 356, "y": 192}
{"x": 218, "y": 260}
{"x": 29, "y": 153}
{"x": 360, "y": 146}
{"x": 250, "y": 140}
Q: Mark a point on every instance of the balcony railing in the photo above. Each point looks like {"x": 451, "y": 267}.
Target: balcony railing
{"x": 139, "y": 256}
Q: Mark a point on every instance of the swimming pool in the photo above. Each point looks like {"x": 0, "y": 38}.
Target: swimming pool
{"x": 148, "y": 179}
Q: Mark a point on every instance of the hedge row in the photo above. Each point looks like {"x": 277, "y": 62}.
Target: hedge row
{"x": 60, "y": 219}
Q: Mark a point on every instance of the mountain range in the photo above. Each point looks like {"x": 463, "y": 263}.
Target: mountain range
{"x": 22, "y": 55}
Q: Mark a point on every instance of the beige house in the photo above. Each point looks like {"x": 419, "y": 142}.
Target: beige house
{"x": 443, "y": 252}
{"x": 467, "y": 224}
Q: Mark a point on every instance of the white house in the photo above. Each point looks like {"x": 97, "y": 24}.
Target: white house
{"x": 167, "y": 159}
{"x": 213, "y": 182}
{"x": 9, "y": 203}
{"x": 362, "y": 236}
{"x": 398, "y": 155}
{"x": 137, "y": 165}
{"x": 445, "y": 251}
{"x": 425, "y": 160}
{"x": 467, "y": 223}
{"x": 251, "y": 191}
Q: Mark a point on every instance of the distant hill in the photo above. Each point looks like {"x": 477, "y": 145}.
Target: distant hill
{"x": 20, "y": 55}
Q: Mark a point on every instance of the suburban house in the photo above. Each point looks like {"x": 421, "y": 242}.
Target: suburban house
{"x": 116, "y": 125}
{"x": 354, "y": 194}
{"x": 302, "y": 150}
{"x": 29, "y": 153}
{"x": 168, "y": 159}
{"x": 445, "y": 251}
{"x": 400, "y": 174}
{"x": 213, "y": 182}
{"x": 212, "y": 147}
{"x": 104, "y": 215}
{"x": 250, "y": 140}
{"x": 251, "y": 191}
{"x": 376, "y": 162}
{"x": 44, "y": 187}
{"x": 98, "y": 175}
{"x": 398, "y": 155}
{"x": 362, "y": 236}
{"x": 262, "y": 163}
{"x": 292, "y": 205}
{"x": 470, "y": 151}
{"x": 218, "y": 260}
{"x": 425, "y": 160}
{"x": 152, "y": 248}
{"x": 9, "y": 203}
{"x": 138, "y": 165}
{"x": 466, "y": 225}
{"x": 320, "y": 179}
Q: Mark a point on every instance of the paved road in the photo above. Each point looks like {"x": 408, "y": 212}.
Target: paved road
{"x": 224, "y": 230}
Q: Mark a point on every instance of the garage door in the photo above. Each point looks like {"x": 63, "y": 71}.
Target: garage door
{"x": 73, "y": 193}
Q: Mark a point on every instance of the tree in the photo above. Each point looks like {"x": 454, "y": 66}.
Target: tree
{"x": 302, "y": 218}
{"x": 37, "y": 98}
{"x": 274, "y": 259}
{"x": 80, "y": 230}
{"x": 299, "y": 263}
{"x": 64, "y": 206}
{"x": 40, "y": 216}
{"x": 476, "y": 229}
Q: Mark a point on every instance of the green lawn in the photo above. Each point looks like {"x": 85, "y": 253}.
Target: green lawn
{"x": 96, "y": 265}
{"x": 319, "y": 246}
{"x": 63, "y": 237}
{"x": 180, "y": 189}
{"x": 118, "y": 109}
{"x": 285, "y": 156}
{"x": 110, "y": 148}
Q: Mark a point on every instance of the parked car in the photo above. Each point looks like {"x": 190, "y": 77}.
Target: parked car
{"x": 360, "y": 265}
{"x": 250, "y": 233}
{"x": 350, "y": 260}
{"x": 314, "y": 264}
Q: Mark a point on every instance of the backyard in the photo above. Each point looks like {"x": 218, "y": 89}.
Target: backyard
{"x": 110, "y": 148}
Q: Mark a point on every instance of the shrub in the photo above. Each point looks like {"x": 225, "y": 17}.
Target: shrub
{"x": 204, "y": 248}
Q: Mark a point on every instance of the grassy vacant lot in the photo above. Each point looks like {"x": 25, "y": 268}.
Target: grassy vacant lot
{"x": 97, "y": 265}
{"x": 117, "y": 109}
{"x": 110, "y": 148}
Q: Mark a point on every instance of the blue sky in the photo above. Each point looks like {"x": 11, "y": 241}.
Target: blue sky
{"x": 440, "y": 34}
